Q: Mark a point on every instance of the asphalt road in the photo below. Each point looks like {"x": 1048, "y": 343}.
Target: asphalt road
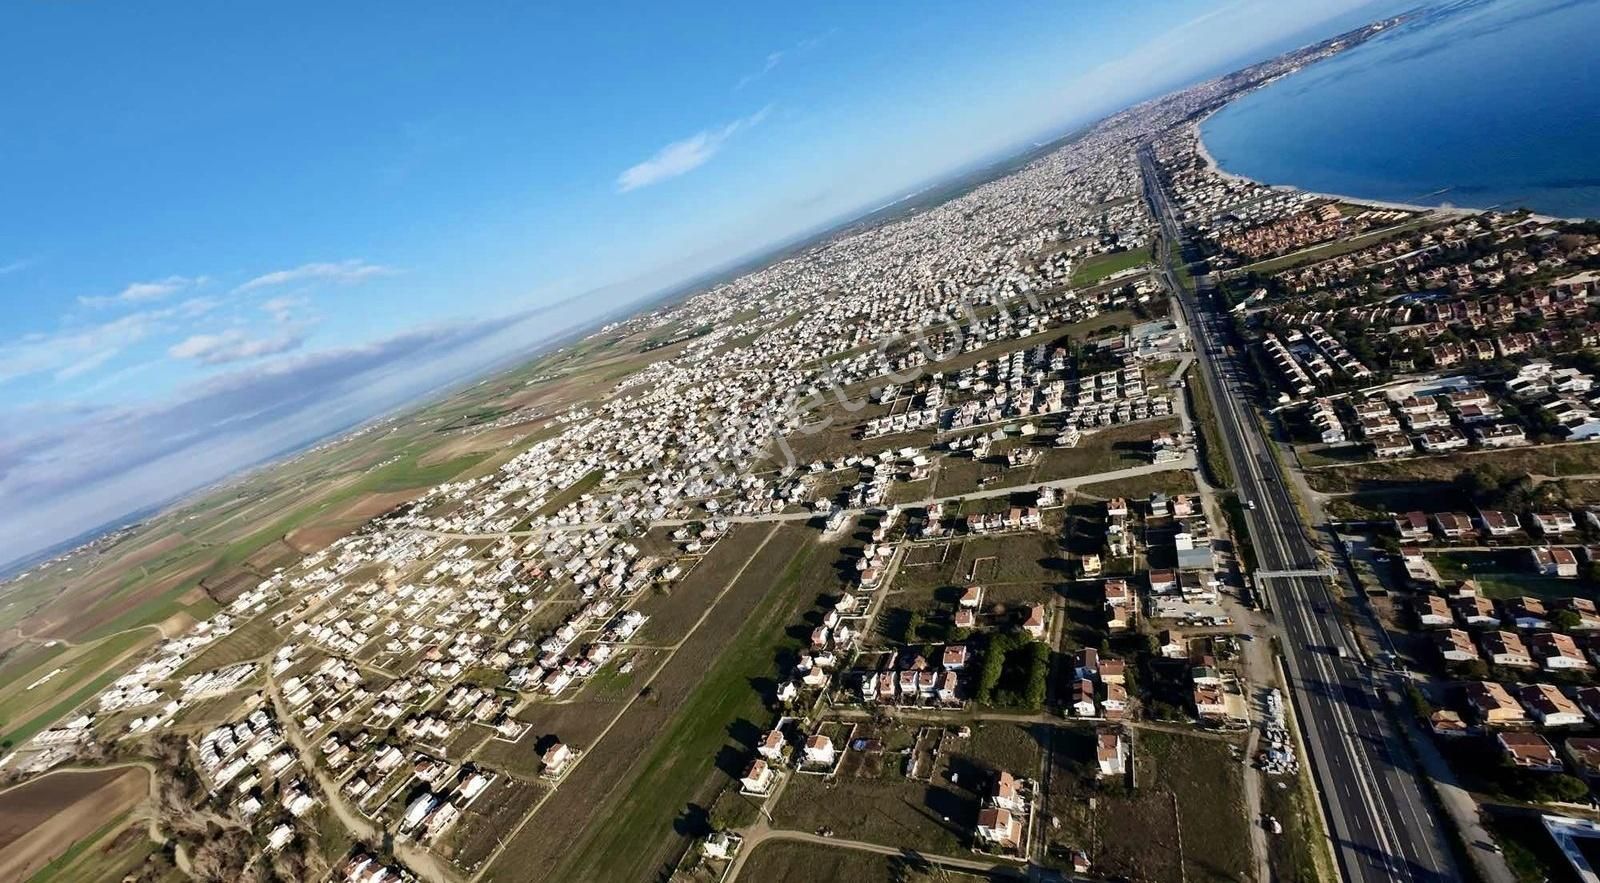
{"x": 1381, "y": 823}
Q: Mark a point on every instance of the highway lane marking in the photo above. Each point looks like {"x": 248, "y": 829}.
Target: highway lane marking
{"x": 1359, "y": 756}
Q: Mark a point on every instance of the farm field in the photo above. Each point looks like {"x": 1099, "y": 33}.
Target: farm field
{"x": 85, "y": 670}
{"x": 106, "y": 856}
{"x": 44, "y": 817}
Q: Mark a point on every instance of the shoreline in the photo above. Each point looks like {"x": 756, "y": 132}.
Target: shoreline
{"x": 1216, "y": 168}
{"x": 1454, "y": 211}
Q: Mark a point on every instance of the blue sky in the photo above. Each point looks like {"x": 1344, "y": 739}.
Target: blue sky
{"x": 232, "y": 227}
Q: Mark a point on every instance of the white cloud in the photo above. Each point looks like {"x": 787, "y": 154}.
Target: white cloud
{"x": 75, "y": 351}
{"x": 342, "y": 272}
{"x": 86, "y": 364}
{"x": 232, "y": 345}
{"x": 773, "y": 60}
{"x": 682, "y": 157}
{"x": 282, "y": 309}
{"x": 15, "y": 266}
{"x": 141, "y": 292}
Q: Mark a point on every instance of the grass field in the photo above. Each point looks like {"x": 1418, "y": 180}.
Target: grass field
{"x": 1215, "y": 459}
{"x": 687, "y": 752}
{"x": 649, "y": 780}
{"x": 1506, "y": 574}
{"x": 1102, "y": 265}
{"x": 1420, "y": 473}
{"x": 24, "y": 712}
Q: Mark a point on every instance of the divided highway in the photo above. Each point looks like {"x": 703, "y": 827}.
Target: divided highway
{"x": 1382, "y": 825}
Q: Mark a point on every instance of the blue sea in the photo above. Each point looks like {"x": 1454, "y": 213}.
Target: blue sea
{"x": 1475, "y": 104}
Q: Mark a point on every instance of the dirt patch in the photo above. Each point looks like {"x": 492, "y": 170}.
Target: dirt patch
{"x": 271, "y": 556}
{"x": 175, "y": 625}
{"x": 324, "y": 530}
{"x": 41, "y": 819}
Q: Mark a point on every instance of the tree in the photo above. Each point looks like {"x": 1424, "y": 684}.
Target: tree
{"x": 1038, "y": 675}
{"x": 1566, "y": 620}
{"x": 913, "y": 626}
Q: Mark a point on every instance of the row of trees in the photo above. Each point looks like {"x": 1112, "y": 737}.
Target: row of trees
{"x": 1021, "y": 664}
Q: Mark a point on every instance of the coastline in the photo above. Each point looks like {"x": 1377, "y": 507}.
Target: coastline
{"x": 1216, "y": 168}
{"x": 1454, "y": 211}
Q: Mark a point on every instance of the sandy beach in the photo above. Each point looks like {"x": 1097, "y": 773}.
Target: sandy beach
{"x": 1212, "y": 164}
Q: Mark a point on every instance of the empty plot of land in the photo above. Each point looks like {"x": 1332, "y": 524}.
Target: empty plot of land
{"x": 255, "y": 638}
{"x": 41, "y": 819}
{"x": 1024, "y": 557}
{"x": 712, "y": 734}
{"x": 1419, "y": 473}
{"x": 608, "y": 775}
{"x": 1185, "y": 821}
{"x": 783, "y": 861}
{"x": 1104, "y": 450}
{"x": 1170, "y": 482}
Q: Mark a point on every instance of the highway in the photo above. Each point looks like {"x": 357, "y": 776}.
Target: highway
{"x": 1381, "y": 823}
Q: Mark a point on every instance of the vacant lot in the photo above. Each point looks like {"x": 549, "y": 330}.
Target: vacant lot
{"x": 1104, "y": 450}
{"x": 1505, "y": 574}
{"x": 255, "y": 638}
{"x": 648, "y": 781}
{"x": 1190, "y": 791}
{"x": 489, "y": 817}
{"x": 1026, "y": 557}
{"x": 1423, "y": 472}
{"x": 875, "y": 802}
{"x": 41, "y": 819}
{"x": 780, "y": 861}
{"x": 1170, "y": 482}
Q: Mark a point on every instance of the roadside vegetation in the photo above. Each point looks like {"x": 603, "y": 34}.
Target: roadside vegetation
{"x": 1212, "y": 455}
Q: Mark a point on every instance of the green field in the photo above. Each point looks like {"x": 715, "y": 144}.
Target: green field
{"x": 1100, "y": 266}
{"x": 681, "y": 758}
{"x": 88, "y": 670}
{"x": 571, "y": 493}
{"x": 1218, "y": 472}
{"x": 1507, "y": 574}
